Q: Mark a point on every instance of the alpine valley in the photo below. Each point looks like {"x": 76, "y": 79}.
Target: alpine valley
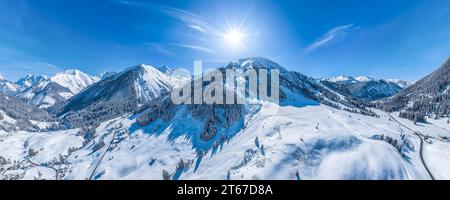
{"x": 125, "y": 126}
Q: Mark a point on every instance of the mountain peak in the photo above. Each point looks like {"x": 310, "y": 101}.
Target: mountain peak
{"x": 165, "y": 69}
{"x": 256, "y": 62}
{"x": 138, "y": 84}
{"x": 139, "y": 67}
{"x": 30, "y": 80}
{"x": 403, "y": 84}
{"x": 71, "y": 72}
{"x": 105, "y": 74}
{"x": 73, "y": 79}
{"x": 364, "y": 78}
{"x": 341, "y": 78}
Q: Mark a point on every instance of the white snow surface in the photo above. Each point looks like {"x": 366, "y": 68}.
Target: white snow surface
{"x": 341, "y": 78}
{"x": 307, "y": 142}
{"x": 74, "y": 80}
{"x": 30, "y": 80}
{"x": 39, "y": 94}
{"x": 364, "y": 78}
{"x": 350, "y": 79}
{"x": 403, "y": 84}
{"x": 9, "y": 88}
{"x": 151, "y": 83}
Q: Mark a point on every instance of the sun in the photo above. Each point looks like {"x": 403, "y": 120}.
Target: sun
{"x": 234, "y": 39}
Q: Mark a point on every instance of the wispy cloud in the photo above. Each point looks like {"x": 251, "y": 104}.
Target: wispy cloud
{"x": 195, "y": 47}
{"x": 198, "y": 28}
{"x": 190, "y": 19}
{"x": 331, "y": 35}
{"x": 159, "y": 48}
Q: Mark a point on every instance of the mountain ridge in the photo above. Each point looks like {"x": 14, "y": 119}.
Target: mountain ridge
{"x": 427, "y": 96}
{"x": 365, "y": 87}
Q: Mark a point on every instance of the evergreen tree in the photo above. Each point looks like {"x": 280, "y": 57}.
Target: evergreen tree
{"x": 31, "y": 152}
{"x": 257, "y": 142}
{"x": 262, "y": 150}
{"x": 166, "y": 175}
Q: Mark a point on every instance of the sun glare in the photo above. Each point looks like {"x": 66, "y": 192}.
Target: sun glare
{"x": 234, "y": 39}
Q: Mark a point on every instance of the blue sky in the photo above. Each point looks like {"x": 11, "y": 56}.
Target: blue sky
{"x": 404, "y": 39}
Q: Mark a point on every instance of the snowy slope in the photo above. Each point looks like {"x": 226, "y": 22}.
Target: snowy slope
{"x": 364, "y": 87}
{"x": 295, "y": 85}
{"x": 179, "y": 76}
{"x": 17, "y": 115}
{"x": 116, "y": 95}
{"x": 9, "y": 88}
{"x": 51, "y": 93}
{"x": 30, "y": 80}
{"x": 48, "y": 160}
{"x": 140, "y": 83}
{"x": 364, "y": 78}
{"x": 73, "y": 79}
{"x": 45, "y": 94}
{"x": 403, "y": 84}
{"x": 317, "y": 133}
{"x": 342, "y": 78}
{"x": 428, "y": 96}
{"x": 310, "y": 142}
{"x": 103, "y": 75}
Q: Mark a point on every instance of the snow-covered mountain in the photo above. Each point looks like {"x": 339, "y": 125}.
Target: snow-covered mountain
{"x": 16, "y": 115}
{"x": 45, "y": 94}
{"x": 118, "y": 94}
{"x": 210, "y": 124}
{"x": 341, "y": 79}
{"x": 364, "y": 79}
{"x": 135, "y": 131}
{"x": 8, "y": 88}
{"x": 428, "y": 96}
{"x": 179, "y": 76}
{"x": 316, "y": 134}
{"x": 73, "y": 79}
{"x": 52, "y": 93}
{"x": 403, "y": 84}
{"x": 30, "y": 80}
{"x": 136, "y": 86}
{"x": 364, "y": 87}
{"x": 103, "y": 75}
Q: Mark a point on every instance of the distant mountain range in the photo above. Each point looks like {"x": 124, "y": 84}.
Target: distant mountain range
{"x": 81, "y": 99}
{"x": 118, "y": 94}
{"x": 73, "y": 91}
{"x": 125, "y": 126}
{"x": 364, "y": 87}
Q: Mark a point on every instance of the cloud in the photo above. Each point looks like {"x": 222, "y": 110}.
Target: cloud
{"x": 194, "y": 47}
{"x": 331, "y": 35}
{"x": 159, "y": 48}
{"x": 198, "y": 28}
{"x": 190, "y": 19}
